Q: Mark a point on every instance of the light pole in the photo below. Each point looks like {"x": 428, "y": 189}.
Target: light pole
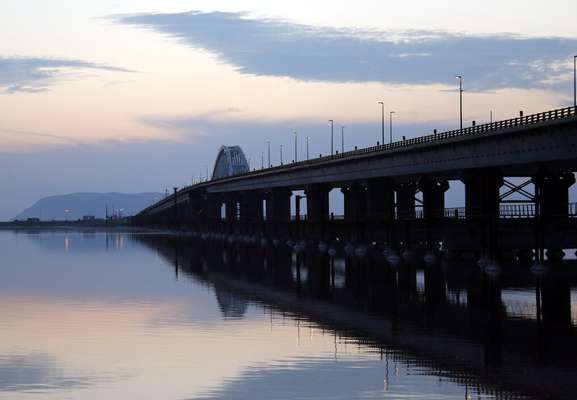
{"x": 308, "y": 148}
{"x": 460, "y": 78}
{"x": 332, "y": 135}
{"x": 574, "y": 81}
{"x": 281, "y": 154}
{"x": 296, "y": 158}
{"x": 342, "y": 139}
{"x": 391, "y": 126}
{"x": 268, "y": 143}
{"x": 382, "y": 121}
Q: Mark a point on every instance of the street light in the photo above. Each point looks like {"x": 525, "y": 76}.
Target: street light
{"x": 296, "y": 158}
{"x": 460, "y": 78}
{"x": 574, "y": 81}
{"x": 332, "y": 135}
{"x": 342, "y": 139}
{"x": 268, "y": 143}
{"x": 281, "y": 154}
{"x": 382, "y": 121}
{"x": 308, "y": 138}
{"x": 391, "y": 126}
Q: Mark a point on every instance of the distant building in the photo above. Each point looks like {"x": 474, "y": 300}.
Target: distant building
{"x": 33, "y": 220}
{"x": 88, "y": 218}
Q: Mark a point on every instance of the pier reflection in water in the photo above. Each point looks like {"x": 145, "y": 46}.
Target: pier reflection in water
{"x": 139, "y": 315}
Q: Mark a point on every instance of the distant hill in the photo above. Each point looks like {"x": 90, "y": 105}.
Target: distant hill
{"x": 94, "y": 204}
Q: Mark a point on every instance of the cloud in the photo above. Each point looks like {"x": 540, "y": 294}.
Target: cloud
{"x": 279, "y": 48}
{"x": 36, "y": 372}
{"x": 33, "y": 75}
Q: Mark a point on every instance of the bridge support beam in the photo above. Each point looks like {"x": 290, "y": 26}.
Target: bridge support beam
{"x": 231, "y": 210}
{"x": 355, "y": 202}
{"x": 482, "y": 193}
{"x": 553, "y": 193}
{"x": 210, "y": 209}
{"x": 433, "y": 198}
{"x": 406, "y": 201}
{"x": 317, "y": 202}
{"x": 278, "y": 206}
{"x": 317, "y": 208}
{"x": 381, "y": 200}
{"x": 251, "y": 207}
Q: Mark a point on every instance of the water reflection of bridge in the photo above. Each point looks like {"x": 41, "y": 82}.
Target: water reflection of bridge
{"x": 471, "y": 341}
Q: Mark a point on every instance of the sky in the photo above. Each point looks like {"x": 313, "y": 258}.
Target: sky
{"x": 137, "y": 95}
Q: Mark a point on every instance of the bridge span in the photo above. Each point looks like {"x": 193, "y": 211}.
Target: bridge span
{"x": 380, "y": 186}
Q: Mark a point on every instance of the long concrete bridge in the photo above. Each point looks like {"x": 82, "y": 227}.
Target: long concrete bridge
{"x": 380, "y": 186}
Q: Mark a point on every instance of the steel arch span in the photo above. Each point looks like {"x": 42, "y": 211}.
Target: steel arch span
{"x": 229, "y": 161}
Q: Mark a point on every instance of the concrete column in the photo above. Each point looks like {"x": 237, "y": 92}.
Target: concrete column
{"x": 278, "y": 205}
{"x": 553, "y": 190}
{"x": 482, "y": 192}
{"x": 317, "y": 202}
{"x": 380, "y": 199}
{"x": 355, "y": 202}
{"x": 406, "y": 201}
{"x": 209, "y": 206}
{"x": 231, "y": 210}
{"x": 434, "y": 198}
{"x": 251, "y": 207}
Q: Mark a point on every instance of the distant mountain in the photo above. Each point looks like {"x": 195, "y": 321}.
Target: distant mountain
{"x": 77, "y": 205}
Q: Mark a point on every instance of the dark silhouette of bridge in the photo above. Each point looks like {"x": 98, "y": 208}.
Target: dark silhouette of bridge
{"x": 380, "y": 186}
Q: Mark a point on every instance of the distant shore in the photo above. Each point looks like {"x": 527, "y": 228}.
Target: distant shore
{"x": 92, "y": 224}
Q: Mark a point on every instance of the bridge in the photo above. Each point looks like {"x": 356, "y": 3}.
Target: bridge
{"x": 380, "y": 186}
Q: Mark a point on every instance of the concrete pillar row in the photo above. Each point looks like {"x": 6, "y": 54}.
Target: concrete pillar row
{"x": 482, "y": 192}
{"x": 433, "y": 197}
{"x": 552, "y": 191}
{"x": 317, "y": 202}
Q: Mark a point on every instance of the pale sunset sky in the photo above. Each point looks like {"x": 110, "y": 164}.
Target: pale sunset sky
{"x": 137, "y": 95}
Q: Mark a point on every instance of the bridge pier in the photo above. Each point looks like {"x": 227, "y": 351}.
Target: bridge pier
{"x": 278, "y": 209}
{"x": 317, "y": 208}
{"x": 433, "y": 205}
{"x": 381, "y": 207}
{"x": 210, "y": 210}
{"x": 355, "y": 207}
{"x": 251, "y": 210}
{"x": 482, "y": 206}
{"x": 552, "y": 198}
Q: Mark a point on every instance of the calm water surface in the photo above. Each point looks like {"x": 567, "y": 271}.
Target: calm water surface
{"x": 96, "y": 315}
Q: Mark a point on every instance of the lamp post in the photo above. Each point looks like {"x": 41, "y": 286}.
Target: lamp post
{"x": 342, "y": 139}
{"x": 262, "y": 160}
{"x": 382, "y": 121}
{"x": 574, "y": 81}
{"x": 296, "y": 158}
{"x": 391, "y": 126}
{"x": 460, "y": 78}
{"x": 281, "y": 154}
{"x": 268, "y": 143}
{"x": 332, "y": 135}
{"x": 308, "y": 138}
